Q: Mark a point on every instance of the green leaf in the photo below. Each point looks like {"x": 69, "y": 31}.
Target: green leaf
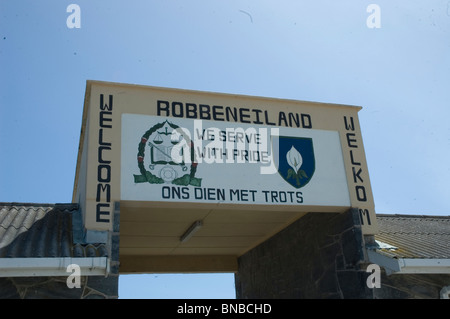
{"x": 152, "y": 179}
{"x": 196, "y": 181}
{"x": 187, "y": 180}
{"x": 291, "y": 173}
{"x": 302, "y": 174}
{"x": 139, "y": 178}
{"x": 183, "y": 180}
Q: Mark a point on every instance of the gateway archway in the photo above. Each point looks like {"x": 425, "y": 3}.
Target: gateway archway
{"x": 191, "y": 182}
{"x": 174, "y": 181}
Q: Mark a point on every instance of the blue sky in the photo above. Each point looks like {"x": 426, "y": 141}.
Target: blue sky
{"x": 306, "y": 50}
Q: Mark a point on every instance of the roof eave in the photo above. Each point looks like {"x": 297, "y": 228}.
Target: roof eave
{"x": 44, "y": 266}
{"x": 409, "y": 265}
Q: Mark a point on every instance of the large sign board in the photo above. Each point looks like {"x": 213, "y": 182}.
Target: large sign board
{"x": 167, "y": 146}
{"x": 183, "y": 160}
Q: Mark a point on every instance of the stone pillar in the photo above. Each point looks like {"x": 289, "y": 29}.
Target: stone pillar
{"x": 319, "y": 256}
{"x": 92, "y": 287}
{"x": 113, "y": 247}
{"x": 412, "y": 286}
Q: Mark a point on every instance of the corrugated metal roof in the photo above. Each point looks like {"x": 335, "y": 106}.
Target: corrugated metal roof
{"x": 42, "y": 230}
{"x": 414, "y": 236}
{"x": 15, "y": 220}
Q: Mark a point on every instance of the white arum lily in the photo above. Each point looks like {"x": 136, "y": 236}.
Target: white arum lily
{"x": 294, "y": 159}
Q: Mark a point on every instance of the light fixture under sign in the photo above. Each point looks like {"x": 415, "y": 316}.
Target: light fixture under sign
{"x": 191, "y": 231}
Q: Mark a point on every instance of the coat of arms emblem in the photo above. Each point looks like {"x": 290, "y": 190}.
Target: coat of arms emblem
{"x": 155, "y": 157}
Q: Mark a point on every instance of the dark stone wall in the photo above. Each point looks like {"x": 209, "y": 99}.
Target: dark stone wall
{"x": 319, "y": 256}
{"x": 411, "y": 286}
{"x": 92, "y": 287}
